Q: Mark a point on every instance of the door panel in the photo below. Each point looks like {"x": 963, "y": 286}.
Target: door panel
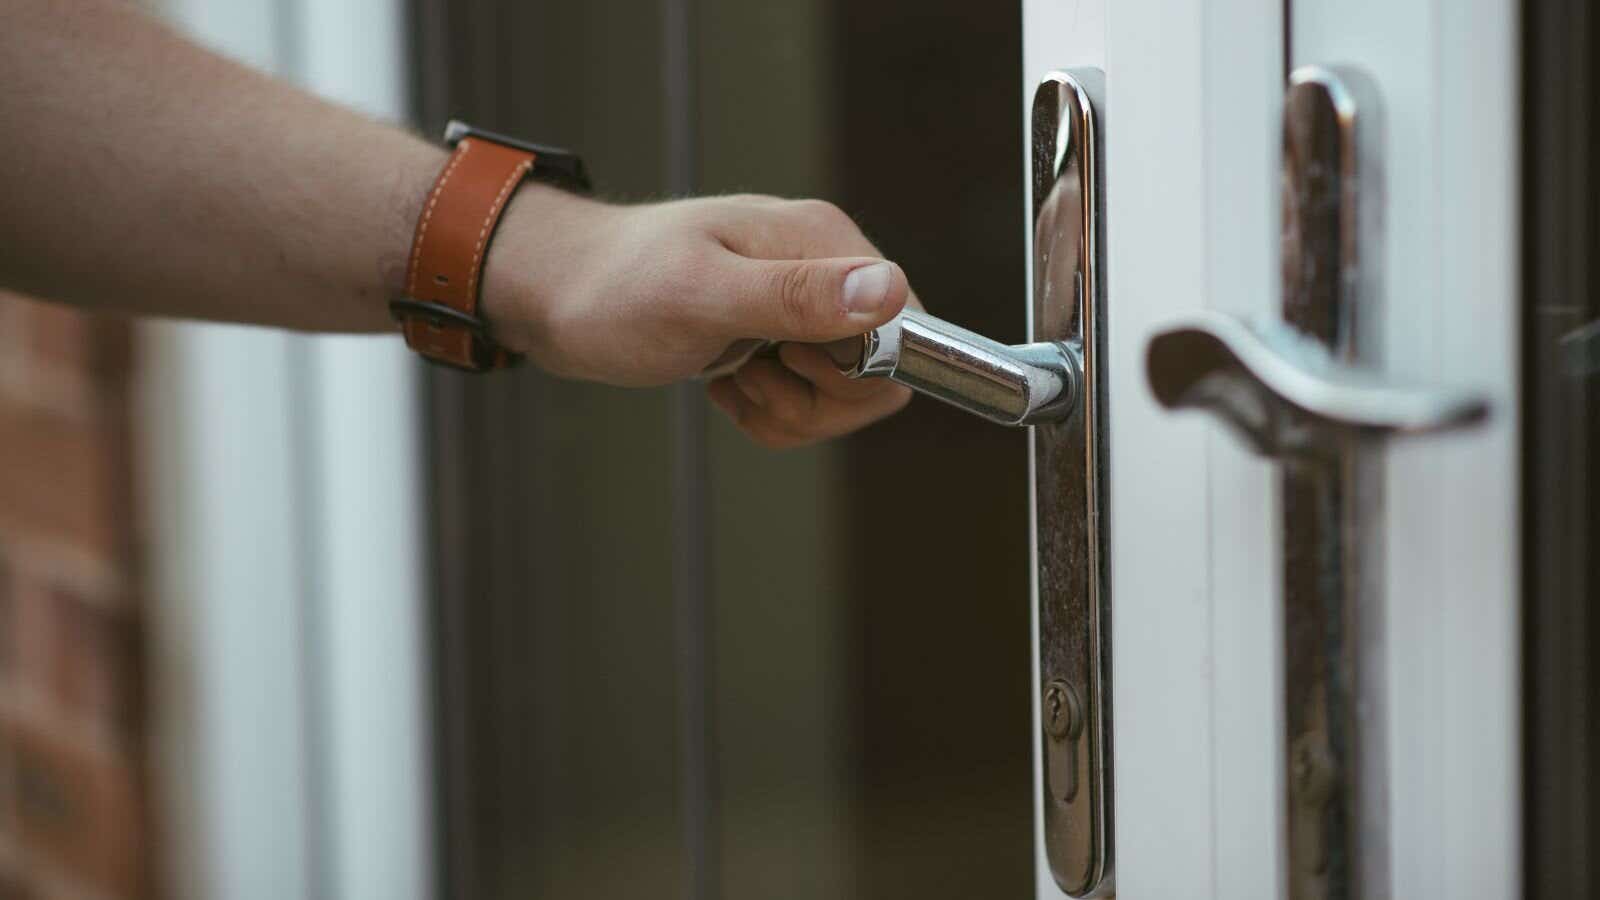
{"x": 1195, "y": 636}
{"x": 1244, "y": 88}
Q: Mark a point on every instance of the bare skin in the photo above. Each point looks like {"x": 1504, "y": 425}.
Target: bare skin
{"x": 140, "y": 173}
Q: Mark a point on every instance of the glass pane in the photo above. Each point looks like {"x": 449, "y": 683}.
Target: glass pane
{"x": 1561, "y": 437}
{"x": 558, "y": 749}
{"x": 869, "y": 599}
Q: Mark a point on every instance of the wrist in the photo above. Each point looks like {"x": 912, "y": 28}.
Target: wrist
{"x": 415, "y": 166}
{"x": 465, "y": 304}
{"x": 546, "y": 243}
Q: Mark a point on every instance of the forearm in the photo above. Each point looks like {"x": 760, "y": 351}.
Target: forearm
{"x": 139, "y": 172}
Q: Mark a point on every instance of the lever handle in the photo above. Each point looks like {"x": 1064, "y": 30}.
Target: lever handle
{"x": 1025, "y": 384}
{"x": 1285, "y": 394}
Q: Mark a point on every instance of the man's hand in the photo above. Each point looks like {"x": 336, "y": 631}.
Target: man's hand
{"x": 646, "y": 295}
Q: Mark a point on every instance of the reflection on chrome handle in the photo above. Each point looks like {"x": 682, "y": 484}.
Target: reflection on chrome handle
{"x": 1285, "y": 395}
{"x": 1013, "y": 385}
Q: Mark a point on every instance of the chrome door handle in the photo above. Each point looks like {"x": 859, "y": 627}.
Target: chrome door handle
{"x": 1026, "y": 384}
{"x": 1305, "y": 391}
{"x": 1285, "y": 394}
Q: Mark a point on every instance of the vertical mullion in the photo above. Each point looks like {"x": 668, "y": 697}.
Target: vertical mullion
{"x": 453, "y": 425}
{"x": 690, "y": 489}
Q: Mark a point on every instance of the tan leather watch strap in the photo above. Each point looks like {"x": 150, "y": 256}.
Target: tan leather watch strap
{"x": 439, "y": 313}
{"x": 452, "y": 238}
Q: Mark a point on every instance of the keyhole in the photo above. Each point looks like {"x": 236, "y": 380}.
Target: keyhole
{"x": 1062, "y": 713}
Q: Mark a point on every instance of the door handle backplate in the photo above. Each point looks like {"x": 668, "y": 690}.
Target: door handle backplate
{"x": 1070, "y": 479}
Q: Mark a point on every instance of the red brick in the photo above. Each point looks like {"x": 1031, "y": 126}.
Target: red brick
{"x": 8, "y": 811}
{"x": 35, "y": 634}
{"x": 80, "y": 811}
{"x": 8, "y": 625}
{"x": 84, "y": 659}
{"x": 58, "y": 336}
{"x": 65, "y": 481}
{"x": 97, "y": 666}
{"x": 72, "y": 791}
{"x": 12, "y": 887}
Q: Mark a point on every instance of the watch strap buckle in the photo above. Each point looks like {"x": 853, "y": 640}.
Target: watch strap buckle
{"x": 485, "y": 352}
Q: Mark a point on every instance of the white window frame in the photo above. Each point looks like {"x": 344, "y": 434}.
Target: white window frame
{"x": 288, "y": 601}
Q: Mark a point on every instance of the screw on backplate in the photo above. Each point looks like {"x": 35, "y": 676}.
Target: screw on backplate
{"x": 1062, "y": 711}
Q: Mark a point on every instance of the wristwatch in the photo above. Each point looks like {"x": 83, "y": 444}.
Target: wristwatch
{"x": 439, "y": 311}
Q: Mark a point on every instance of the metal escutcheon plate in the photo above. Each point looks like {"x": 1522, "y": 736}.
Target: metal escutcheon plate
{"x": 1069, "y": 485}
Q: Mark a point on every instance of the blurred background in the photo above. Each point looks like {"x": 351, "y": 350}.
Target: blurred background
{"x": 300, "y": 617}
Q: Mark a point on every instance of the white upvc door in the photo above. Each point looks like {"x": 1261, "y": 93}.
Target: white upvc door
{"x": 1193, "y": 127}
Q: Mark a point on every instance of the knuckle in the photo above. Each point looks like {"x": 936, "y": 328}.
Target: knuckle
{"x": 794, "y": 289}
{"x": 788, "y": 413}
{"x": 705, "y": 213}
{"x": 822, "y": 214}
{"x": 745, "y": 198}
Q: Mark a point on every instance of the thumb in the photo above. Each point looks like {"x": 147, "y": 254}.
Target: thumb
{"x": 819, "y": 300}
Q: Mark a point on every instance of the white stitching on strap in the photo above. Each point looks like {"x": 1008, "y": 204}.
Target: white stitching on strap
{"x": 483, "y": 233}
{"x": 427, "y": 213}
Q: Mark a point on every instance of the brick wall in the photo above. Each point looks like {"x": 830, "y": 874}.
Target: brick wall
{"x": 73, "y": 796}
